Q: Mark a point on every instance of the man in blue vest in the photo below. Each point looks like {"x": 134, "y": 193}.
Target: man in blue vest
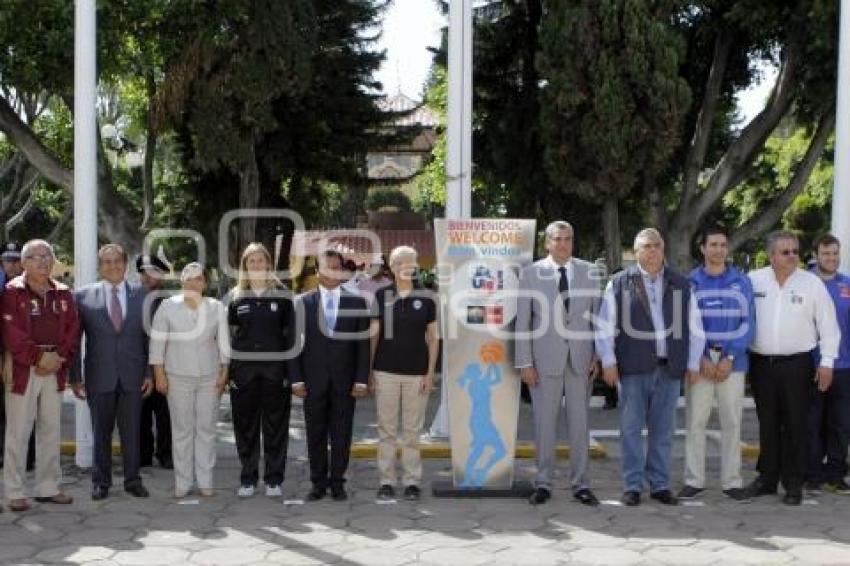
{"x": 649, "y": 337}
{"x": 829, "y": 412}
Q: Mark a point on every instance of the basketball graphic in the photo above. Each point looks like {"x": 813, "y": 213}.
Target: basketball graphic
{"x": 492, "y": 352}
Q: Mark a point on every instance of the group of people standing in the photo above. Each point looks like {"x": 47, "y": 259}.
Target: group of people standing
{"x": 125, "y": 347}
{"x": 138, "y": 354}
{"x": 654, "y": 328}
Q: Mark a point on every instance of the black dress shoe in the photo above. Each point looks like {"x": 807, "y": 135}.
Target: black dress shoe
{"x": 316, "y": 494}
{"x": 137, "y": 490}
{"x": 631, "y": 498}
{"x": 586, "y": 497}
{"x": 540, "y": 495}
{"x": 664, "y": 496}
{"x": 759, "y": 487}
{"x": 793, "y": 499}
{"x": 166, "y": 463}
{"x": 99, "y": 492}
{"x": 338, "y": 493}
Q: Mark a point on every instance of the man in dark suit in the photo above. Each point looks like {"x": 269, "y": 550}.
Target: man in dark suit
{"x": 115, "y": 374}
{"x": 151, "y": 271}
{"x": 331, "y": 370}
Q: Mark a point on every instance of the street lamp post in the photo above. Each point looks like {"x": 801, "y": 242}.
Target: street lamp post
{"x": 85, "y": 182}
{"x": 841, "y": 181}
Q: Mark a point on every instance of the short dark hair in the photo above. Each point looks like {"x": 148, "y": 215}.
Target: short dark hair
{"x": 328, "y": 254}
{"x": 826, "y": 240}
{"x": 713, "y": 230}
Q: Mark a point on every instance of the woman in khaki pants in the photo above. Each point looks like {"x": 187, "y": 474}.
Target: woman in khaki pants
{"x": 189, "y": 353}
{"x": 404, "y": 344}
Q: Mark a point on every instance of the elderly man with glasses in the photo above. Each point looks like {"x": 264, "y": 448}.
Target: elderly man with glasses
{"x": 40, "y": 334}
{"x": 794, "y": 314}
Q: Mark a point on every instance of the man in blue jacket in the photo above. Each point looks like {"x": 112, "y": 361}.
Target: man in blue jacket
{"x": 829, "y": 412}
{"x": 725, "y": 299}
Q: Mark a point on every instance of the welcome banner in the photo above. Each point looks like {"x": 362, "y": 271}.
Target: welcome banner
{"x": 479, "y": 260}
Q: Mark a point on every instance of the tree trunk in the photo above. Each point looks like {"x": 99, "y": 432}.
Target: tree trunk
{"x": 150, "y": 150}
{"x": 611, "y": 230}
{"x": 116, "y": 224}
{"x": 249, "y": 196}
{"x": 679, "y": 251}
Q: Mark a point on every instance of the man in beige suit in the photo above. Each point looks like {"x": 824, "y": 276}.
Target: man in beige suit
{"x": 558, "y": 296}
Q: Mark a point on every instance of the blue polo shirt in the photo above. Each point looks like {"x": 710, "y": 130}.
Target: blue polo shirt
{"x": 728, "y": 312}
{"x": 839, "y": 290}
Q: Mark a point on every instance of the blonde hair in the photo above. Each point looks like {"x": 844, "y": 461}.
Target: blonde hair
{"x": 243, "y": 281}
{"x": 402, "y": 252}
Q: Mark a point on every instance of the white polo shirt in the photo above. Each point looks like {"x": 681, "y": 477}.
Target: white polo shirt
{"x": 794, "y": 318}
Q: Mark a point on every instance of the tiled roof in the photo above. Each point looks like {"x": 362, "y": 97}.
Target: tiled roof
{"x": 361, "y": 245}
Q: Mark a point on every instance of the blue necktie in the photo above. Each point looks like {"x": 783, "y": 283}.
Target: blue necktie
{"x": 330, "y": 313}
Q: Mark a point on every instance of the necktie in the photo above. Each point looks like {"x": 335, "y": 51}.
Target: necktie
{"x": 330, "y": 313}
{"x": 115, "y": 311}
{"x": 564, "y": 288}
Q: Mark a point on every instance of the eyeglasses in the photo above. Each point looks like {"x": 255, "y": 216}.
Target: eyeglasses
{"x": 790, "y": 252}
{"x": 40, "y": 257}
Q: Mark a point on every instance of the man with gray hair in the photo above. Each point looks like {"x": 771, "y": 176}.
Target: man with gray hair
{"x": 794, "y": 314}
{"x": 40, "y": 335}
{"x": 649, "y": 337}
{"x": 555, "y": 355}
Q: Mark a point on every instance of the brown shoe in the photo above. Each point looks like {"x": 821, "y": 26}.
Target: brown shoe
{"x": 18, "y": 505}
{"x": 206, "y": 492}
{"x": 59, "y": 499}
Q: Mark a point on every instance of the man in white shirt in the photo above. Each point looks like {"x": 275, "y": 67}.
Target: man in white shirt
{"x": 794, "y": 314}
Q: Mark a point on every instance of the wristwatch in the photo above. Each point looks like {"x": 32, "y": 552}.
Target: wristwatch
{"x": 730, "y": 357}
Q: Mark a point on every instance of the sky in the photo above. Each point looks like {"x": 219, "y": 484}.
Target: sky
{"x": 411, "y": 26}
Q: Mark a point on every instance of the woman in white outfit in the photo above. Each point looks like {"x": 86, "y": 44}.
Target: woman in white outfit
{"x": 189, "y": 353}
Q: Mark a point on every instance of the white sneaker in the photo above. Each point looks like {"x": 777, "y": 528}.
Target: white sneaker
{"x": 274, "y": 491}
{"x": 245, "y": 491}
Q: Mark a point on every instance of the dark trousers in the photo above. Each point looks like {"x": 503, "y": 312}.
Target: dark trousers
{"x": 261, "y": 399}
{"x": 781, "y": 389}
{"x": 125, "y": 407}
{"x": 329, "y": 416}
{"x": 30, "y": 447}
{"x": 155, "y": 410}
{"x": 829, "y": 429}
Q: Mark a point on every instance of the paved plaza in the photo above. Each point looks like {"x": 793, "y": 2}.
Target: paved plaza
{"x": 227, "y": 530}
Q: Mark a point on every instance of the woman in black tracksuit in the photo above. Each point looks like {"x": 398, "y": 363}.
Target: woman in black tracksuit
{"x": 260, "y": 312}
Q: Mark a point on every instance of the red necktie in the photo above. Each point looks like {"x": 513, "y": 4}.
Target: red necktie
{"x": 115, "y": 311}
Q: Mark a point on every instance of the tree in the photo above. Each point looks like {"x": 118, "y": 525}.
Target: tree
{"x": 725, "y": 39}
{"x": 614, "y": 102}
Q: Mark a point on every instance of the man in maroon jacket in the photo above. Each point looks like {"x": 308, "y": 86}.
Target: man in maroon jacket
{"x": 40, "y": 333}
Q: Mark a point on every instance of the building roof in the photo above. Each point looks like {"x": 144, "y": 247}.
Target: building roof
{"x": 414, "y": 113}
{"x": 361, "y": 245}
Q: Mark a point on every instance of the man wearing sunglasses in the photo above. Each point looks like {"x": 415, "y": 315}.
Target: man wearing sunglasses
{"x": 794, "y": 315}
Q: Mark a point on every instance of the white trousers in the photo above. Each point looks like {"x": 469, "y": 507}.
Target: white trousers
{"x": 40, "y": 405}
{"x": 700, "y": 399}
{"x": 193, "y": 403}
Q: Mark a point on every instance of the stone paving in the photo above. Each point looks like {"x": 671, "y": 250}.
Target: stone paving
{"x": 226, "y": 530}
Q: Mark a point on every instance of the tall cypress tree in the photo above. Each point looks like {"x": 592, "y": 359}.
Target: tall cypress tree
{"x": 613, "y": 104}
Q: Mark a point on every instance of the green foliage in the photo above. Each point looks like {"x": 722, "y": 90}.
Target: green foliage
{"x": 614, "y": 103}
{"x": 809, "y": 213}
{"x": 381, "y": 198}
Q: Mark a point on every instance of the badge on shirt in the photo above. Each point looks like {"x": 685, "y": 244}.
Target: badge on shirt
{"x": 243, "y": 309}
{"x": 843, "y": 291}
{"x": 273, "y": 306}
{"x": 64, "y": 305}
{"x": 759, "y": 294}
{"x": 795, "y": 298}
{"x": 417, "y": 304}
{"x": 35, "y": 308}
